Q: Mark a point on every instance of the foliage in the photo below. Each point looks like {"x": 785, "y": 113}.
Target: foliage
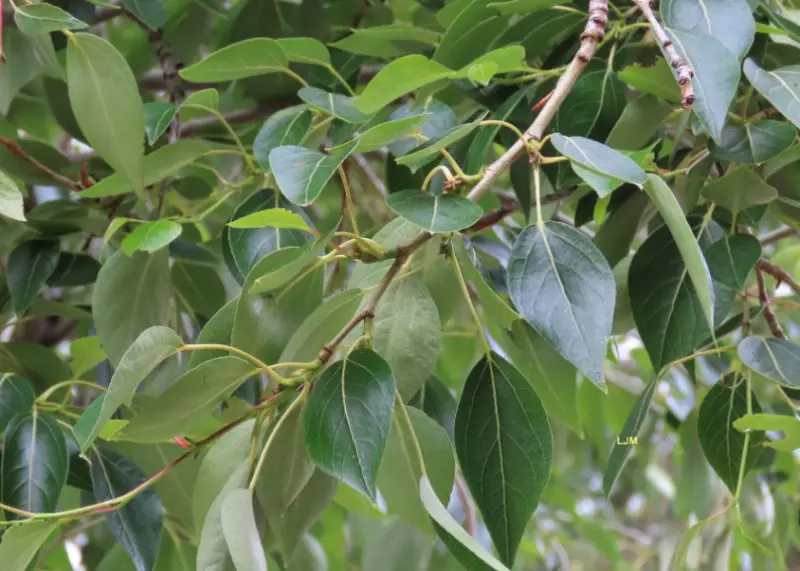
{"x": 414, "y": 285}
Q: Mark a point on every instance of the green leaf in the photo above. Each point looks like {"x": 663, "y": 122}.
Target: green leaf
{"x": 334, "y": 104}
{"x": 33, "y": 19}
{"x": 248, "y": 58}
{"x": 779, "y": 87}
{"x": 678, "y": 560}
{"x": 384, "y": 134}
{"x": 151, "y": 236}
{"x": 274, "y": 217}
{"x": 524, "y": 6}
{"x": 398, "y": 78}
{"x": 188, "y": 400}
{"x": 34, "y": 464}
{"x": 400, "y": 471}
{"x": 776, "y": 359}
{"x": 461, "y": 544}
{"x": 23, "y": 64}
{"x": 395, "y": 546}
{"x": 501, "y": 60}
{"x": 504, "y": 446}
{"x": 407, "y": 333}
{"x": 723, "y": 445}
{"x": 212, "y": 552}
{"x": 389, "y": 41}
{"x": 731, "y": 259}
{"x": 86, "y": 354}
{"x": 305, "y": 50}
{"x": 656, "y": 80}
{"x": 302, "y": 174}
{"x": 158, "y": 116}
{"x": 469, "y": 34}
{"x": 789, "y": 425}
{"x": 422, "y": 156}
{"x": 21, "y": 543}
{"x": 150, "y": 12}
{"x": 755, "y": 142}
{"x": 440, "y": 213}
{"x": 287, "y": 127}
{"x": 199, "y": 287}
{"x": 716, "y": 76}
{"x": 277, "y": 270}
{"x": 131, "y": 295}
{"x": 551, "y": 267}
{"x": 241, "y": 533}
{"x": 615, "y": 236}
{"x": 347, "y": 419}
{"x": 593, "y": 106}
{"x": 29, "y": 267}
{"x": 729, "y": 21}
{"x": 673, "y": 216}
{"x": 136, "y": 525}
{"x": 439, "y": 121}
{"x": 740, "y": 188}
{"x": 144, "y": 355}
{"x": 158, "y": 165}
{"x": 10, "y": 199}
{"x": 16, "y": 396}
{"x": 100, "y": 85}
{"x": 483, "y": 139}
{"x": 74, "y": 270}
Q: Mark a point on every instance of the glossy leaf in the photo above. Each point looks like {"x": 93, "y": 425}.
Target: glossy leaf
{"x": 33, "y": 19}
{"x": 10, "y": 198}
{"x": 16, "y": 397}
{"x": 241, "y": 533}
{"x": 274, "y": 217}
{"x": 504, "y": 448}
{"x": 157, "y": 118}
{"x": 287, "y": 127}
{"x": 729, "y": 21}
{"x": 151, "y": 236}
{"x": 776, "y": 359}
{"x": 21, "y": 543}
{"x": 339, "y": 106}
{"x": 755, "y": 142}
{"x": 302, "y": 173}
{"x": 247, "y": 58}
{"x": 563, "y": 286}
{"x": 600, "y": 159}
{"x": 739, "y": 189}
{"x": 29, "y": 267}
{"x": 347, "y": 419}
{"x": 441, "y": 213}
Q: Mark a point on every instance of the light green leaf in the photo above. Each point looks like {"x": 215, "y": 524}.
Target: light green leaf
{"x": 100, "y": 84}
{"x": 23, "y": 64}
{"x": 600, "y": 159}
{"x": 286, "y": 127}
{"x": 383, "y": 134}
{"x": 241, "y": 533}
{"x": 86, "y": 354}
{"x": 302, "y": 173}
{"x": 740, "y": 188}
{"x": 440, "y": 120}
{"x": 396, "y": 546}
{"x": 213, "y": 553}
{"x": 151, "y": 236}
{"x": 334, "y": 104}
{"x": 779, "y": 87}
{"x": 21, "y": 543}
{"x": 158, "y": 116}
{"x": 247, "y": 58}
{"x": 525, "y": 6}
{"x": 10, "y": 198}
{"x": 274, "y": 217}
{"x": 29, "y": 267}
{"x": 789, "y": 425}
{"x": 776, "y": 359}
{"x": 551, "y": 267}
{"x": 755, "y": 142}
{"x": 441, "y": 213}
{"x": 388, "y": 41}
{"x": 144, "y": 355}
{"x": 33, "y": 19}
{"x": 305, "y": 50}
{"x": 729, "y": 21}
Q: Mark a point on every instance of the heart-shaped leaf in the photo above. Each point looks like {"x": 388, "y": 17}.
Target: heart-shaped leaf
{"x": 779, "y": 87}
{"x": 287, "y": 127}
{"x": 247, "y": 58}
{"x": 563, "y": 286}
{"x": 29, "y": 267}
{"x": 740, "y": 188}
{"x": 755, "y": 142}
{"x": 34, "y": 19}
{"x": 776, "y": 359}
{"x": 302, "y": 173}
{"x": 729, "y": 21}
{"x": 347, "y": 419}
{"x": 435, "y": 213}
{"x": 334, "y": 104}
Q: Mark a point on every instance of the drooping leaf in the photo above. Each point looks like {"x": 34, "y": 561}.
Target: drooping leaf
{"x": 136, "y": 525}
{"x": 157, "y": 118}
{"x": 152, "y": 13}
{"x": 33, "y": 19}
{"x": 10, "y": 198}
{"x": 776, "y": 359}
{"x": 779, "y": 87}
{"x": 435, "y": 213}
{"x": 212, "y": 552}
{"x": 563, "y": 286}
{"x": 347, "y": 419}
{"x": 504, "y": 448}
{"x": 34, "y": 464}
{"x": 334, "y": 104}
{"x": 101, "y": 84}
{"x": 274, "y": 217}
{"x": 723, "y": 445}
{"x": 302, "y": 173}
{"x": 29, "y": 267}
{"x": 739, "y": 189}
{"x": 16, "y": 397}
{"x": 241, "y": 534}
{"x": 729, "y": 21}
{"x": 755, "y": 142}
{"x": 247, "y": 58}
{"x": 286, "y": 127}
{"x": 21, "y": 543}
{"x": 151, "y": 236}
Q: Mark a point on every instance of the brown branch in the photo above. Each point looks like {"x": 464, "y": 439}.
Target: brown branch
{"x": 778, "y": 235}
{"x": 17, "y": 151}
{"x": 592, "y": 34}
{"x": 154, "y": 81}
{"x": 682, "y": 68}
{"x": 510, "y": 206}
{"x": 769, "y": 313}
{"x": 779, "y": 274}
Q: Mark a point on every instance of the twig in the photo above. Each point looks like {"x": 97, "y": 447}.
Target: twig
{"x": 592, "y": 34}
{"x": 779, "y": 274}
{"x": 778, "y": 235}
{"x": 17, "y": 151}
{"x": 682, "y": 68}
{"x": 769, "y": 313}
{"x": 510, "y": 206}
{"x": 470, "y": 517}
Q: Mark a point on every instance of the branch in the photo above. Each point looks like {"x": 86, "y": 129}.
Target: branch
{"x": 769, "y": 313}
{"x": 779, "y": 274}
{"x": 682, "y": 68}
{"x": 778, "y": 235}
{"x": 510, "y": 206}
{"x": 17, "y": 151}
{"x": 592, "y": 34}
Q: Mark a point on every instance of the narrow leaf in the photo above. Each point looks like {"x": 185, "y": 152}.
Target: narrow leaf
{"x": 247, "y": 58}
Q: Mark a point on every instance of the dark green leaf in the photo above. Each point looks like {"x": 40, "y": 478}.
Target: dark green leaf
{"x": 504, "y": 448}
{"x": 483, "y": 140}
{"x": 740, "y": 188}
{"x": 615, "y": 236}
{"x": 33, "y": 19}
{"x": 302, "y": 174}
{"x": 151, "y": 236}
{"x": 755, "y": 142}
{"x": 563, "y": 286}
{"x": 468, "y": 35}
{"x": 779, "y": 87}
{"x": 776, "y": 359}
{"x": 157, "y": 118}
{"x": 74, "y": 270}
{"x": 198, "y": 286}
{"x": 334, "y": 104}
{"x": 593, "y": 106}
{"x": 729, "y": 21}
{"x": 347, "y": 419}
{"x": 251, "y": 57}
{"x": 21, "y": 543}
{"x": 438, "y": 402}
{"x": 523, "y": 6}
{"x": 731, "y": 259}
{"x": 16, "y": 397}
{"x": 287, "y": 127}
{"x": 435, "y": 213}
{"x": 241, "y": 534}
{"x": 151, "y": 12}
{"x": 29, "y": 267}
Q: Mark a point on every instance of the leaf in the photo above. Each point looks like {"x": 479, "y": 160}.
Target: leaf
{"x": 29, "y": 266}
{"x": 400, "y": 469}
{"x": 439, "y": 120}
{"x": 501, "y": 60}
{"x": 241, "y": 533}
{"x": 779, "y": 87}
{"x": 247, "y": 58}
{"x": 34, "y": 464}
{"x": 615, "y": 236}
{"x": 86, "y": 354}
{"x": 504, "y": 448}
{"x": 776, "y": 359}
{"x": 729, "y": 21}
{"x": 383, "y": 134}
{"x": 144, "y": 355}
{"x": 158, "y": 116}
{"x": 468, "y": 35}
{"x": 755, "y": 143}
{"x": 347, "y": 419}
{"x": 594, "y": 105}
{"x": 21, "y": 543}
{"x": 387, "y": 41}
{"x": 623, "y": 447}
{"x": 274, "y": 217}
{"x": 286, "y": 127}
{"x": 395, "y": 546}
{"x": 131, "y": 294}
{"x": 678, "y": 560}
{"x": 422, "y": 156}
{"x": 334, "y": 104}
{"x": 213, "y": 553}
{"x": 188, "y": 400}
{"x": 656, "y": 80}
{"x": 151, "y": 236}
{"x": 563, "y": 286}
{"x": 461, "y": 544}
{"x": 101, "y": 85}
{"x": 524, "y": 6}
{"x": 731, "y": 259}
{"x": 723, "y": 445}
{"x": 74, "y": 270}
{"x": 789, "y": 425}
{"x": 673, "y": 216}
{"x": 302, "y": 174}
{"x": 151, "y": 12}
{"x": 136, "y": 525}
{"x": 305, "y": 50}
{"x": 199, "y": 287}
{"x": 483, "y": 139}
{"x": 407, "y": 333}
{"x": 10, "y": 199}
{"x": 16, "y": 397}
{"x": 33, "y": 19}
{"x": 278, "y": 270}
{"x": 716, "y": 76}
{"x": 441, "y": 213}
{"x": 740, "y": 188}
{"x": 399, "y": 77}
{"x": 158, "y": 165}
